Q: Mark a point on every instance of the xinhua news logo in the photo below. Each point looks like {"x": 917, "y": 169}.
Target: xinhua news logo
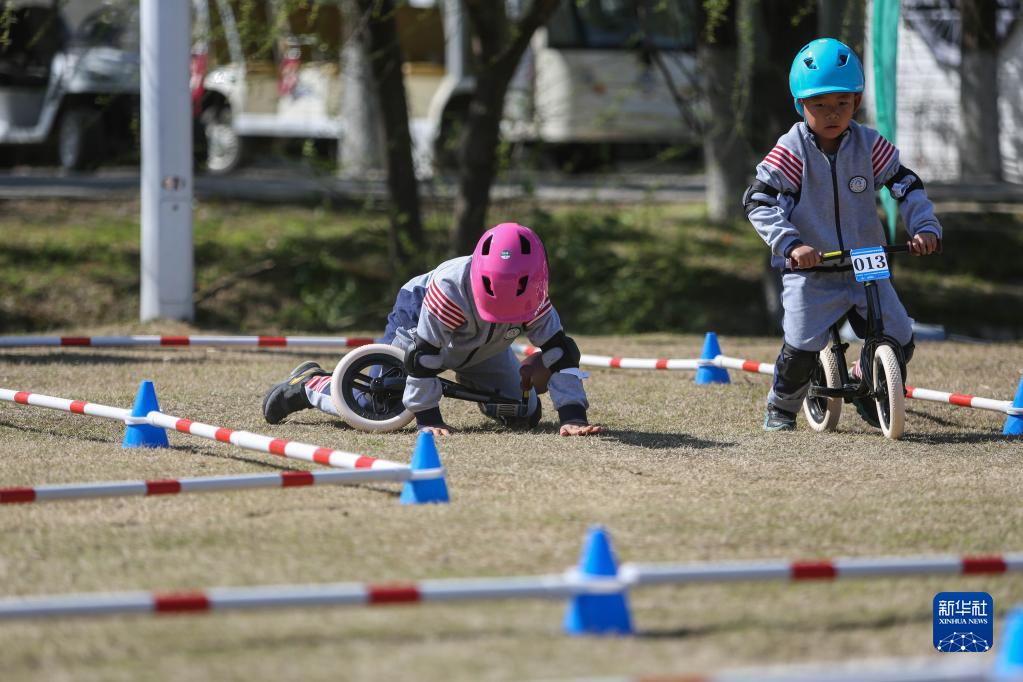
{"x": 964, "y": 622}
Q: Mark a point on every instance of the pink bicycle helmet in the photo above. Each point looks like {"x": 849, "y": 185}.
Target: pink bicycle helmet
{"x": 509, "y": 274}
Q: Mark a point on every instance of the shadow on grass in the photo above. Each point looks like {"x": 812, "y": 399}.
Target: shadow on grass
{"x": 880, "y": 621}
{"x": 959, "y": 438}
{"x": 661, "y": 441}
{"x": 78, "y": 436}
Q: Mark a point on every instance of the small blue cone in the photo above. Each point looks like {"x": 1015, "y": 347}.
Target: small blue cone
{"x": 711, "y": 375}
{"x": 1009, "y": 656}
{"x": 432, "y": 490}
{"x": 144, "y": 435}
{"x": 600, "y": 614}
{"x": 1014, "y": 422}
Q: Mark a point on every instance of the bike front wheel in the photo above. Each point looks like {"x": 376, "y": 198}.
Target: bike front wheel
{"x": 890, "y": 392}
{"x": 822, "y": 414}
{"x": 367, "y": 386}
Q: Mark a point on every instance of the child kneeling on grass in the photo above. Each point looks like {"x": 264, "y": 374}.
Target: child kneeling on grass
{"x": 464, "y": 316}
{"x": 816, "y": 192}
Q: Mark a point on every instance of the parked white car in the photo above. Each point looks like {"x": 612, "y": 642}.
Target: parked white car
{"x": 78, "y": 88}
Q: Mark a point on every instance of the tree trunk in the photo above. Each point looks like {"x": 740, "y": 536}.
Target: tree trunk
{"x": 406, "y": 234}
{"x": 727, "y": 67}
{"x": 498, "y": 47}
{"x": 980, "y": 159}
{"x": 361, "y": 149}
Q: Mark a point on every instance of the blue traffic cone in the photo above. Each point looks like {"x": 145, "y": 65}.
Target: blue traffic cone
{"x": 1014, "y": 422}
{"x": 598, "y": 614}
{"x": 428, "y": 490}
{"x": 1009, "y": 656}
{"x": 145, "y": 435}
{"x": 708, "y": 374}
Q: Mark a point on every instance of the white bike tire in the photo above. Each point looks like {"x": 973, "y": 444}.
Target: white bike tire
{"x": 828, "y": 421}
{"x": 886, "y": 361}
{"x": 353, "y": 418}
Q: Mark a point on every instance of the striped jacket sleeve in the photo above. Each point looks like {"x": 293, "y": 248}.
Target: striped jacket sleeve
{"x": 782, "y": 171}
{"x": 440, "y": 315}
{"x": 915, "y": 207}
{"x": 544, "y": 325}
{"x": 884, "y": 158}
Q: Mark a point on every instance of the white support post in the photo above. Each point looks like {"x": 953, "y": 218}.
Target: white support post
{"x": 166, "y": 267}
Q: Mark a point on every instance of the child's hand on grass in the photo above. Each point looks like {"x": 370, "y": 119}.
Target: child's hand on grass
{"x": 441, "y": 430}
{"x": 579, "y": 429}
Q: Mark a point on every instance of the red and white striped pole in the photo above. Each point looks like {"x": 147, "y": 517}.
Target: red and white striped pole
{"x": 207, "y": 484}
{"x": 825, "y": 569}
{"x": 291, "y": 596}
{"x": 963, "y": 400}
{"x": 149, "y": 340}
{"x": 242, "y": 439}
{"x": 560, "y": 586}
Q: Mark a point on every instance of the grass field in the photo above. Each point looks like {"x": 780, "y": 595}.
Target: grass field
{"x": 683, "y": 473}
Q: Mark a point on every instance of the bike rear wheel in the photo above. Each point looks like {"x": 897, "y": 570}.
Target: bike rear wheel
{"x": 358, "y": 392}
{"x": 890, "y": 392}
{"x": 822, "y": 414}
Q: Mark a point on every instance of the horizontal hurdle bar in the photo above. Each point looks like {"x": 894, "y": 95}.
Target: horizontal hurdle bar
{"x": 205, "y": 484}
{"x": 740, "y": 571}
{"x": 564, "y": 585}
{"x": 148, "y": 340}
{"x": 963, "y": 400}
{"x": 290, "y": 596}
{"x": 627, "y": 363}
{"x": 242, "y": 439}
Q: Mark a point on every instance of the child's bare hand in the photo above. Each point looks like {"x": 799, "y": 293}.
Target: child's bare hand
{"x": 576, "y": 429}
{"x": 533, "y": 374}
{"x": 804, "y": 256}
{"x": 923, "y": 244}
{"x": 442, "y": 430}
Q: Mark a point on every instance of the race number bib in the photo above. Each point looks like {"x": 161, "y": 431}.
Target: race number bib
{"x": 870, "y": 263}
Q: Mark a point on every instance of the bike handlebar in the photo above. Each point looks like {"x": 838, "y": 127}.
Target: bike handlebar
{"x": 839, "y": 255}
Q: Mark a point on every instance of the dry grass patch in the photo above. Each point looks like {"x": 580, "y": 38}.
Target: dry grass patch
{"x": 684, "y": 473}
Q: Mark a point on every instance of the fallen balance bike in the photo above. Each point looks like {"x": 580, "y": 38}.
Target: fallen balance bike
{"x": 882, "y": 365}
{"x": 368, "y": 383}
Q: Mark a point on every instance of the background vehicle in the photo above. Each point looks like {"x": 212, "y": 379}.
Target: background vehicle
{"x": 261, "y": 71}
{"x": 595, "y": 77}
{"x": 71, "y": 82}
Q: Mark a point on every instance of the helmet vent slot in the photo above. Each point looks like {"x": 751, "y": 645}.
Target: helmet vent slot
{"x": 522, "y": 285}
{"x": 524, "y": 243}
{"x": 809, "y": 63}
{"x": 486, "y": 246}
{"x": 486, "y": 285}
{"x": 843, "y": 59}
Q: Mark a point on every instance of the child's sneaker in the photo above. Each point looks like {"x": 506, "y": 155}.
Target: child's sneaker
{"x": 778, "y": 419}
{"x": 865, "y": 407}
{"x": 289, "y": 396}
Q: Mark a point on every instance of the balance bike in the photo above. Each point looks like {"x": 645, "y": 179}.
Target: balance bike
{"x": 882, "y": 364}
{"x": 368, "y": 383}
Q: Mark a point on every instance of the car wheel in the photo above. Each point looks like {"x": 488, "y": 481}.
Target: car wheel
{"x": 223, "y": 145}
{"x": 80, "y": 139}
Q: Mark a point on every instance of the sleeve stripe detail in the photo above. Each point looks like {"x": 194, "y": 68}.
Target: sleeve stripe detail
{"x": 785, "y": 162}
{"x": 881, "y": 154}
{"x": 784, "y": 153}
{"x": 793, "y": 177}
{"x": 545, "y": 308}
{"x": 438, "y": 304}
{"x": 882, "y": 161}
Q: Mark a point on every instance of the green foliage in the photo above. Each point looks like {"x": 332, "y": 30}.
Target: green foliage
{"x": 319, "y": 270}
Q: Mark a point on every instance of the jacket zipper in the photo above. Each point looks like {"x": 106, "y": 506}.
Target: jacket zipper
{"x": 490, "y": 335}
{"x": 834, "y": 187}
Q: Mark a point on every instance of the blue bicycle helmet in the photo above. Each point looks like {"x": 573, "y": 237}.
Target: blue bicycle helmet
{"x": 821, "y": 66}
